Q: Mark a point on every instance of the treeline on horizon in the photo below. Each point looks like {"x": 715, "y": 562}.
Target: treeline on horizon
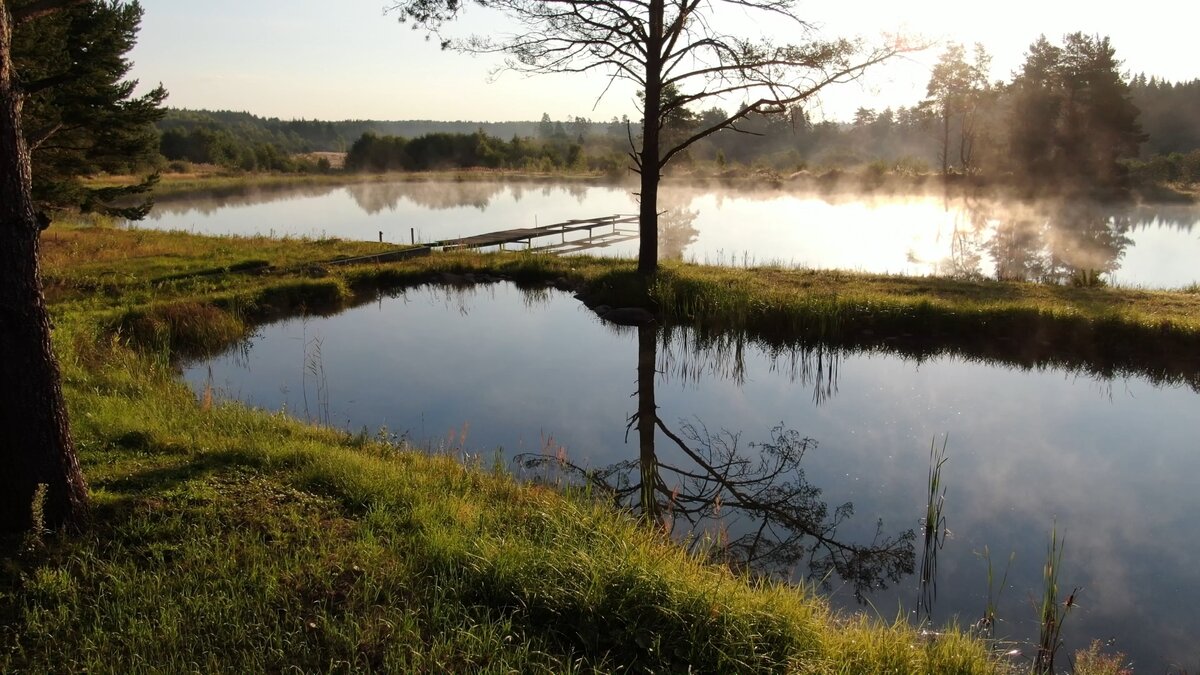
{"x": 240, "y": 140}
{"x": 1067, "y": 113}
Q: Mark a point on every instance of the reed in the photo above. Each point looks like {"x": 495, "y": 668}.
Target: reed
{"x": 986, "y": 626}
{"x": 933, "y": 529}
{"x": 1053, "y": 610}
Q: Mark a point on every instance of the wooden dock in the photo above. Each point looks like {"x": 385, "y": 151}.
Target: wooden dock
{"x": 610, "y": 232}
{"x": 387, "y": 256}
{"x": 609, "y": 226}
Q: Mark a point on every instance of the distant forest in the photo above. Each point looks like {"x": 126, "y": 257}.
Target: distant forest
{"x": 240, "y": 140}
{"x": 1068, "y": 111}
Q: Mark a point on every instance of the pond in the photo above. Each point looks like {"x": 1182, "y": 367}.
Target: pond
{"x": 1153, "y": 245}
{"x": 1110, "y": 464}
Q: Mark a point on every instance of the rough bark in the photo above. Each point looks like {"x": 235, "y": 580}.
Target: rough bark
{"x": 36, "y": 447}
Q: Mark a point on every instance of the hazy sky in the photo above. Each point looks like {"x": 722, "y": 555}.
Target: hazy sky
{"x": 346, "y": 59}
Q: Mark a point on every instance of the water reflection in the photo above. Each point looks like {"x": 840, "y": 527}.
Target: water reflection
{"x": 1063, "y": 242}
{"x": 1039, "y": 436}
{"x": 375, "y": 198}
{"x": 971, "y": 235}
{"x": 233, "y": 197}
{"x": 1050, "y": 241}
{"x": 692, "y": 356}
{"x": 752, "y": 508}
{"x": 676, "y": 231}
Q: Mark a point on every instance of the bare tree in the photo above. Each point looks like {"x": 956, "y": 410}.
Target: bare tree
{"x": 675, "y": 51}
{"x": 35, "y": 440}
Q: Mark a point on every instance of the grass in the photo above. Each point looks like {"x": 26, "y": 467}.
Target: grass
{"x": 231, "y": 539}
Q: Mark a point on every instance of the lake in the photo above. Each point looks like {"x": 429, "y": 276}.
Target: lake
{"x": 1110, "y": 464}
{"x": 1146, "y": 245}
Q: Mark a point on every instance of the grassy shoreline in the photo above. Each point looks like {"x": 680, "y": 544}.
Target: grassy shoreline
{"x": 173, "y": 184}
{"x": 226, "y": 538}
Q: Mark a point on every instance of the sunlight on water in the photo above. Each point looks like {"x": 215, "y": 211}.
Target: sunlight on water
{"x": 1154, "y": 246}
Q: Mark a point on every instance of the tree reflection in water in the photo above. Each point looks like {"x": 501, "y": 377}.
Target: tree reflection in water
{"x": 1063, "y": 241}
{"x": 676, "y": 231}
{"x": 752, "y": 508}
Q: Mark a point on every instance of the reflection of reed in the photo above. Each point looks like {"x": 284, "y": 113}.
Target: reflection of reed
{"x": 691, "y": 359}
{"x": 1104, "y": 350}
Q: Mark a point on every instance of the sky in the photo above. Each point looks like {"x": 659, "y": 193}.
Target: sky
{"x": 321, "y": 59}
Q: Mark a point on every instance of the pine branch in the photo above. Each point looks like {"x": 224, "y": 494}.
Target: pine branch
{"x": 41, "y": 8}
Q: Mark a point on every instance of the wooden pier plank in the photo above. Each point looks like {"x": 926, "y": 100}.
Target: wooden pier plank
{"x": 528, "y": 234}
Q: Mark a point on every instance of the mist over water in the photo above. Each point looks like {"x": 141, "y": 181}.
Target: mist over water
{"x": 1061, "y": 241}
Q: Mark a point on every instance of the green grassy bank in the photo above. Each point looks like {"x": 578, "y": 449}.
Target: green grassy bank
{"x": 225, "y": 539}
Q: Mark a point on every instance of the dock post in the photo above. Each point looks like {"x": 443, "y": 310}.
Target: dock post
{"x": 412, "y": 235}
{"x": 381, "y": 236}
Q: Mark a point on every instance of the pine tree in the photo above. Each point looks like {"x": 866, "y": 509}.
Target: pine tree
{"x": 80, "y": 116}
{"x": 92, "y": 126}
{"x": 1073, "y": 116}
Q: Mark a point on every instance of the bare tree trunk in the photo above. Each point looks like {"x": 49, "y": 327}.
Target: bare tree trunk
{"x": 651, "y": 153}
{"x": 647, "y": 417}
{"x": 35, "y": 440}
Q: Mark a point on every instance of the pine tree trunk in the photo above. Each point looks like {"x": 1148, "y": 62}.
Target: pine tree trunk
{"x": 35, "y": 440}
{"x": 945, "y": 139}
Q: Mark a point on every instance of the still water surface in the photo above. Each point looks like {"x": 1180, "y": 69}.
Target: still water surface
{"x": 1155, "y": 246}
{"x": 1111, "y": 464}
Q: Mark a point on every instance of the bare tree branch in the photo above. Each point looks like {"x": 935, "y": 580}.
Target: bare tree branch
{"x": 674, "y": 51}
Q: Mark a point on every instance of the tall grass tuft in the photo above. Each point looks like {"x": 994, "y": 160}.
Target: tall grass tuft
{"x": 1051, "y": 613}
{"x": 1093, "y": 661}
{"x": 986, "y": 626}
{"x": 35, "y": 537}
{"x": 934, "y": 529}
{"x": 184, "y": 328}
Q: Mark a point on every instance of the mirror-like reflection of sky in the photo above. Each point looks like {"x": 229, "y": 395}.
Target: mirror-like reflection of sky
{"x": 1155, "y": 246}
{"x": 1111, "y": 464}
